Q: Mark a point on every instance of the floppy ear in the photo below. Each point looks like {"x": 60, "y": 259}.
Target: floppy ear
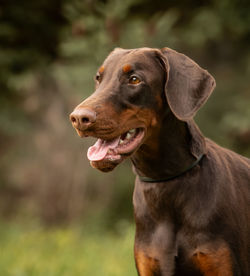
{"x": 188, "y": 86}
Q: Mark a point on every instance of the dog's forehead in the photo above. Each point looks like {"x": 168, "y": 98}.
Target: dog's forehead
{"x": 121, "y": 57}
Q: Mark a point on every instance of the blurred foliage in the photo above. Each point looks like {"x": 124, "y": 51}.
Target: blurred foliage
{"x": 49, "y": 51}
{"x": 35, "y": 251}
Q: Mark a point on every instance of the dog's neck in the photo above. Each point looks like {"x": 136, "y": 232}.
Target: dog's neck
{"x": 169, "y": 150}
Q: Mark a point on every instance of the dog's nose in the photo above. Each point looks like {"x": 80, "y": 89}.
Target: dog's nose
{"x": 82, "y": 118}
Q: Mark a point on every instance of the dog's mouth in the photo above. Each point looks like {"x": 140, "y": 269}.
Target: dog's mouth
{"x": 116, "y": 149}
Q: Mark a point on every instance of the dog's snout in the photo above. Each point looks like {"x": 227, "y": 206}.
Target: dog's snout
{"x": 82, "y": 118}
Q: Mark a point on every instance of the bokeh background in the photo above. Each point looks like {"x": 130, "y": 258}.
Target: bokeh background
{"x": 58, "y": 216}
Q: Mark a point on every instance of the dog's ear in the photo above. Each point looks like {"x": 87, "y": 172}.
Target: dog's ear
{"x": 188, "y": 86}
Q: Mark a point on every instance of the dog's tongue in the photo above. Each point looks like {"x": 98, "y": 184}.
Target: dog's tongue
{"x": 100, "y": 149}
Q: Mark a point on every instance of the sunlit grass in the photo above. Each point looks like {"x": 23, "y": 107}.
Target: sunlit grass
{"x": 34, "y": 251}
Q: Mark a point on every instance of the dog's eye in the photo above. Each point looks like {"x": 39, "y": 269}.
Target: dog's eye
{"x": 134, "y": 80}
{"x": 98, "y": 78}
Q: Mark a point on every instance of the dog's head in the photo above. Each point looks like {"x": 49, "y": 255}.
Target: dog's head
{"x": 134, "y": 88}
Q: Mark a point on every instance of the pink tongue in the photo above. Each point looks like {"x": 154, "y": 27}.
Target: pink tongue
{"x": 100, "y": 149}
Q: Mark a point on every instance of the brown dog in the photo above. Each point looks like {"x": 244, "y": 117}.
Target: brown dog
{"x": 191, "y": 197}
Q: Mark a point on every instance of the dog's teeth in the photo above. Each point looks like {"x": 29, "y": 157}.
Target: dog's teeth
{"x": 111, "y": 159}
{"x": 121, "y": 142}
{"x": 132, "y": 131}
{"x": 128, "y": 136}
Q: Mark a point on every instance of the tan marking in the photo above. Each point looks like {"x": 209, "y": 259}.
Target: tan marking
{"x": 101, "y": 69}
{"x": 214, "y": 262}
{"x": 137, "y": 117}
{"x": 80, "y": 133}
{"x": 154, "y": 122}
{"x": 126, "y": 68}
{"x": 146, "y": 266}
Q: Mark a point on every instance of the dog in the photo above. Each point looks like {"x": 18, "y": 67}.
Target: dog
{"x": 191, "y": 197}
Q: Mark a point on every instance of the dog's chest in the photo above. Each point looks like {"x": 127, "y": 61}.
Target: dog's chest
{"x": 159, "y": 248}
{"x": 152, "y": 201}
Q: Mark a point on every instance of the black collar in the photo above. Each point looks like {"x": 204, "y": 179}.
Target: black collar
{"x": 151, "y": 180}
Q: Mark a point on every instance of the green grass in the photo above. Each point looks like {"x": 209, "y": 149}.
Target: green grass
{"x": 35, "y": 251}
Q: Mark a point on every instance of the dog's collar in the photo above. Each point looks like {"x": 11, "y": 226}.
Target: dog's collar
{"x": 151, "y": 180}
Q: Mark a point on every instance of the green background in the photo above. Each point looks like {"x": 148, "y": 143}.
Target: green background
{"x": 58, "y": 216}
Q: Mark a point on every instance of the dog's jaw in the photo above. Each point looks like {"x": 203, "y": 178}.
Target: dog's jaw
{"x": 106, "y": 155}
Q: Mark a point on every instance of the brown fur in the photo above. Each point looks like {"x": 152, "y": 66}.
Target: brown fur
{"x": 101, "y": 69}
{"x": 214, "y": 262}
{"x": 126, "y": 68}
{"x": 146, "y": 265}
{"x": 189, "y": 222}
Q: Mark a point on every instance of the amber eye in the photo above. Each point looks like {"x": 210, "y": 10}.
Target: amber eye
{"x": 134, "y": 80}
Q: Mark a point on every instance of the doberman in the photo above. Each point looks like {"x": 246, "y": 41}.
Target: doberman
{"x": 191, "y": 197}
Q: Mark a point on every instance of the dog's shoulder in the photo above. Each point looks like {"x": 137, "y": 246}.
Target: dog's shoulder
{"x": 228, "y": 163}
{"x": 226, "y": 153}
